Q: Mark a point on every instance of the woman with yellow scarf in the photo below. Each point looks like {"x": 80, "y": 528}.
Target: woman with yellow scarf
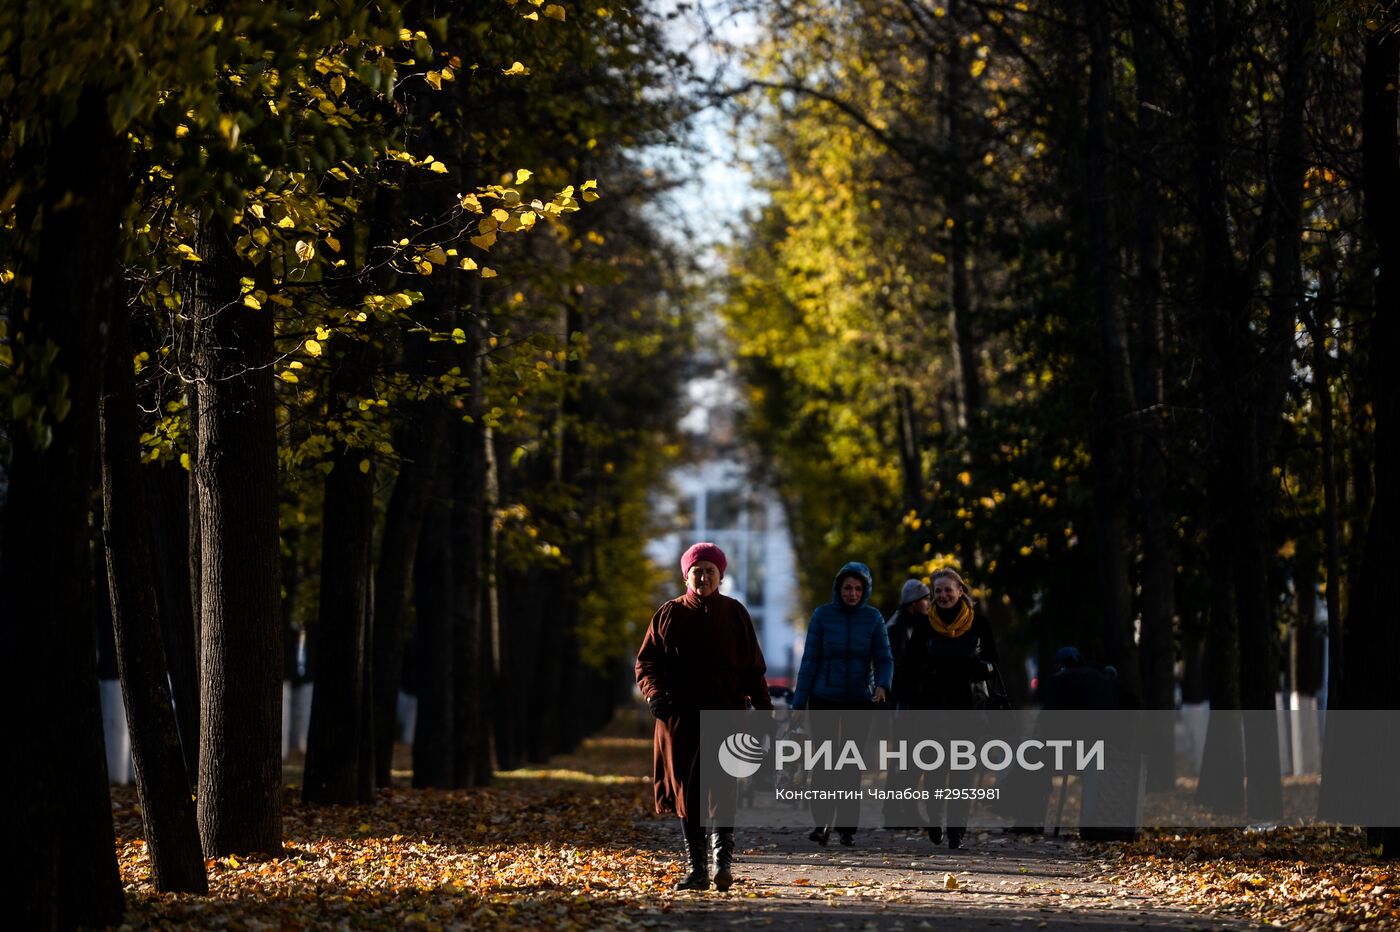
{"x": 949, "y": 662}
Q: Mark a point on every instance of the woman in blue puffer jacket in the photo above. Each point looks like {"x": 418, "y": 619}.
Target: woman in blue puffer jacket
{"x": 846, "y": 665}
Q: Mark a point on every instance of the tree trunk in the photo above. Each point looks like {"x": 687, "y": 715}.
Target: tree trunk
{"x": 1371, "y": 680}
{"x": 1157, "y": 647}
{"x": 967, "y": 378}
{"x": 167, "y": 497}
{"x": 1113, "y": 391}
{"x": 398, "y": 552}
{"x": 235, "y": 473}
{"x": 336, "y": 740}
{"x": 167, "y": 809}
{"x": 333, "y": 743}
{"x": 432, "y": 590}
{"x": 67, "y": 875}
{"x": 471, "y": 725}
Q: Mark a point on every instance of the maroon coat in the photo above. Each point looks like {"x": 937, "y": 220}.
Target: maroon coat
{"x": 704, "y": 654}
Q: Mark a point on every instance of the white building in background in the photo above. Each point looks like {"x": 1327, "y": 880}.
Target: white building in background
{"x": 715, "y": 501}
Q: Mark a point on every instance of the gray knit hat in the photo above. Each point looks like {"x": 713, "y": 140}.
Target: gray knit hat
{"x": 913, "y": 591}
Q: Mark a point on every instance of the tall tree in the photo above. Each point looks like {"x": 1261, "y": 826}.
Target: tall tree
{"x": 60, "y": 795}
{"x": 235, "y": 471}
{"x": 167, "y": 806}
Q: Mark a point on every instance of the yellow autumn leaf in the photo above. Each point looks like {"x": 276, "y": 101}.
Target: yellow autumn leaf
{"x": 516, "y": 68}
{"x": 252, "y": 302}
{"x": 978, "y": 66}
{"x": 256, "y": 210}
{"x": 334, "y": 243}
{"x": 470, "y": 202}
{"x": 554, "y": 11}
{"x": 434, "y": 79}
{"x": 6, "y": 276}
{"x": 523, "y": 175}
{"x": 288, "y": 377}
{"x": 438, "y": 167}
{"x": 286, "y": 223}
{"x": 467, "y": 264}
{"x": 305, "y": 251}
{"x": 436, "y": 256}
{"x": 312, "y": 348}
{"x": 364, "y": 466}
{"x": 338, "y": 85}
{"x": 485, "y": 241}
{"x": 488, "y": 273}
{"x": 501, "y": 216}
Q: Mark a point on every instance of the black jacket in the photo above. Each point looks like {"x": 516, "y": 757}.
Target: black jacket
{"x": 943, "y": 672}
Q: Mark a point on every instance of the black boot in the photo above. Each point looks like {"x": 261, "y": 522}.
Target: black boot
{"x": 722, "y": 847}
{"x": 698, "y": 878}
{"x": 935, "y": 834}
{"x": 955, "y": 837}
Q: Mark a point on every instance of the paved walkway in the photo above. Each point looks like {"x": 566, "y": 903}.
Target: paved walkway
{"x": 890, "y": 880}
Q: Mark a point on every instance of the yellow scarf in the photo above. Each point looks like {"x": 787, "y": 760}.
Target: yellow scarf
{"x": 959, "y": 625}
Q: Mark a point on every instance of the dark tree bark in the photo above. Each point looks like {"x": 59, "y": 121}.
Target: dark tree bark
{"x": 167, "y": 500}
{"x": 60, "y": 806}
{"x": 1222, "y": 775}
{"x": 333, "y": 743}
{"x": 967, "y": 377}
{"x": 1370, "y": 675}
{"x": 420, "y": 442}
{"x": 167, "y": 809}
{"x": 432, "y": 590}
{"x": 235, "y": 473}
{"x": 1113, "y": 389}
{"x": 1157, "y": 651}
{"x": 336, "y": 739}
{"x": 471, "y": 724}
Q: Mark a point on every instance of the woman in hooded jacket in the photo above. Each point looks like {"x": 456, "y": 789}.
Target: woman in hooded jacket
{"x": 846, "y": 666}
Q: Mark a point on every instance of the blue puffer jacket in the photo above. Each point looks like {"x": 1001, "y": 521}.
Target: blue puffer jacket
{"x": 844, "y": 643}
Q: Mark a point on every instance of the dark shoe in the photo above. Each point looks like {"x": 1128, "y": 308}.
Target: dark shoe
{"x": 1025, "y": 830}
{"x": 722, "y": 851}
{"x": 848, "y": 838}
{"x": 695, "y": 853}
{"x": 819, "y": 835}
{"x": 955, "y": 837}
{"x": 935, "y": 834}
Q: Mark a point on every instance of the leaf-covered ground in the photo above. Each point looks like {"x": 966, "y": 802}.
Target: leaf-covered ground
{"x": 576, "y": 846}
{"x": 1301, "y": 878}
{"x": 559, "y": 847}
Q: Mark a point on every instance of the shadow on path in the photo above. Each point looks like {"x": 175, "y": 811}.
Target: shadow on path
{"x": 893, "y": 880}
